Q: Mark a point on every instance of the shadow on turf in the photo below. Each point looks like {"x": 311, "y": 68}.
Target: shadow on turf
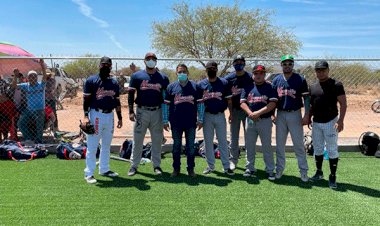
{"x": 120, "y": 182}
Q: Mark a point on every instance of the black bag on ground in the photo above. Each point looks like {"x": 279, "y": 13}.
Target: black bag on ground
{"x": 13, "y": 150}
{"x": 126, "y": 150}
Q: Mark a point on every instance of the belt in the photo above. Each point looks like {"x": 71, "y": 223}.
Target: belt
{"x": 105, "y": 111}
{"x": 288, "y": 110}
{"x": 154, "y": 108}
{"x": 215, "y": 113}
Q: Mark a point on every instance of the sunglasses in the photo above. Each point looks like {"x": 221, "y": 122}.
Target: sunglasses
{"x": 288, "y": 64}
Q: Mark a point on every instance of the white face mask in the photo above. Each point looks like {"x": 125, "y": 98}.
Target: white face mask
{"x": 151, "y": 64}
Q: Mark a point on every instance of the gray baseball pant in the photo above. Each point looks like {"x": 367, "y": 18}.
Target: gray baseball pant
{"x": 290, "y": 122}
{"x": 263, "y": 129}
{"x": 325, "y": 133}
{"x": 151, "y": 120}
{"x": 238, "y": 117}
{"x": 215, "y": 123}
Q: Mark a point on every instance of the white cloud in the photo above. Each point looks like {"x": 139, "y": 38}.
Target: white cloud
{"x": 305, "y": 2}
{"x": 87, "y": 11}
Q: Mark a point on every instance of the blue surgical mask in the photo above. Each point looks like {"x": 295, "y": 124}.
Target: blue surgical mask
{"x": 239, "y": 67}
{"x": 182, "y": 77}
{"x": 151, "y": 64}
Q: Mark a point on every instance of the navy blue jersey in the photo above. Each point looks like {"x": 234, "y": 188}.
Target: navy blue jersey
{"x": 103, "y": 92}
{"x": 149, "y": 87}
{"x": 182, "y": 102}
{"x": 258, "y": 96}
{"x": 214, "y": 94}
{"x": 290, "y": 91}
{"x": 237, "y": 84}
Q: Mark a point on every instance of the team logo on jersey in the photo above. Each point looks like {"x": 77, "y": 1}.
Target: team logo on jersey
{"x": 286, "y": 92}
{"x": 101, "y": 93}
{"x": 236, "y": 91}
{"x": 212, "y": 95}
{"x": 145, "y": 86}
{"x": 178, "y": 98}
{"x": 257, "y": 99}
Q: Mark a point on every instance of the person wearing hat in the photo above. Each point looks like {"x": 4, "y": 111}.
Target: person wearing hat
{"x": 237, "y": 80}
{"x": 50, "y": 95}
{"x": 216, "y": 95}
{"x": 101, "y": 95}
{"x": 149, "y": 86}
{"x": 181, "y": 97}
{"x": 325, "y": 93}
{"x": 258, "y": 100}
{"x": 293, "y": 94}
{"x": 34, "y": 111}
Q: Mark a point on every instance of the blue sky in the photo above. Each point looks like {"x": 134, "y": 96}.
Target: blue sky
{"x": 122, "y": 28}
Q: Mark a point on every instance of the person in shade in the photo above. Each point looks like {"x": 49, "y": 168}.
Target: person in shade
{"x": 181, "y": 97}
{"x": 325, "y": 93}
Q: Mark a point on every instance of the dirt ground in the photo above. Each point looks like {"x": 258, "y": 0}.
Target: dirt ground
{"x": 359, "y": 118}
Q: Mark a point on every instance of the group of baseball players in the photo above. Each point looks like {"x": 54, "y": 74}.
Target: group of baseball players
{"x": 185, "y": 106}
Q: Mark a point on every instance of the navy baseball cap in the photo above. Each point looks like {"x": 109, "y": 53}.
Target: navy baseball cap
{"x": 238, "y": 57}
{"x": 105, "y": 60}
{"x": 211, "y": 64}
{"x": 322, "y": 64}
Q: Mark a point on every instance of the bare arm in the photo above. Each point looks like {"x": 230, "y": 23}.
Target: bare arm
{"x": 44, "y": 77}
{"x": 342, "y": 112}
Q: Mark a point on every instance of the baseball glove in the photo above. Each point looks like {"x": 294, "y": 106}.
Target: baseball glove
{"x": 87, "y": 128}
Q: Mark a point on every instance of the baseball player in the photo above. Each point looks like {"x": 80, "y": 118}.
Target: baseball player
{"x": 150, "y": 86}
{"x": 325, "y": 94}
{"x": 291, "y": 88}
{"x": 216, "y": 96}
{"x": 181, "y": 97}
{"x": 101, "y": 97}
{"x": 237, "y": 80}
{"x": 258, "y": 100}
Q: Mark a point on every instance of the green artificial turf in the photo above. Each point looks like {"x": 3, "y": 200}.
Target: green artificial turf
{"x": 53, "y": 192}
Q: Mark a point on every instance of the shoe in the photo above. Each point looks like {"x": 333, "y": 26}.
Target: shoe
{"x": 90, "y": 179}
{"x": 332, "y": 182}
{"x": 158, "y": 171}
{"x": 271, "y": 176}
{"x": 229, "y": 172}
{"x": 191, "y": 173}
{"x": 304, "y": 177}
{"x": 208, "y": 170}
{"x": 317, "y": 176}
{"x": 279, "y": 174}
{"x": 175, "y": 173}
{"x": 232, "y": 165}
{"x": 132, "y": 171}
{"x": 248, "y": 173}
{"x": 109, "y": 173}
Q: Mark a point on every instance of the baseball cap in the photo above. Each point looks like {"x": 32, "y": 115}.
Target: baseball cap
{"x": 150, "y": 54}
{"x": 32, "y": 72}
{"x": 322, "y": 64}
{"x": 211, "y": 64}
{"x": 258, "y": 68}
{"x": 287, "y": 57}
{"x": 239, "y": 57}
{"x": 105, "y": 60}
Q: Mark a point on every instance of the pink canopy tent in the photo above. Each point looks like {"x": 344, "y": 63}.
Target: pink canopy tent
{"x": 24, "y": 65}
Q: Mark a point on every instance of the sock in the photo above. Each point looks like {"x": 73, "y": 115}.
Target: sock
{"x": 318, "y": 162}
{"x": 333, "y": 166}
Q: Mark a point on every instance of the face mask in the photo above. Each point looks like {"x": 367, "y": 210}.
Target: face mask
{"x": 104, "y": 72}
{"x": 239, "y": 67}
{"x": 211, "y": 74}
{"x": 150, "y": 64}
{"x": 182, "y": 77}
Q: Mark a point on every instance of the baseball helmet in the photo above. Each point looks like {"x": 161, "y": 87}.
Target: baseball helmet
{"x": 368, "y": 143}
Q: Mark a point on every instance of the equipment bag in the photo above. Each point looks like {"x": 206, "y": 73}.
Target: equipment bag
{"x": 15, "y": 151}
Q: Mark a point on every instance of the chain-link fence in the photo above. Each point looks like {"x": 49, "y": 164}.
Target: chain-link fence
{"x": 29, "y": 111}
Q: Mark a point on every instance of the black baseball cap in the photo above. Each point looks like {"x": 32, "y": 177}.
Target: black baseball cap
{"x": 105, "y": 60}
{"x": 238, "y": 57}
{"x": 211, "y": 64}
{"x": 150, "y": 54}
{"x": 322, "y": 64}
{"x": 258, "y": 68}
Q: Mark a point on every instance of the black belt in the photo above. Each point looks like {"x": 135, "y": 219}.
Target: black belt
{"x": 105, "y": 111}
{"x": 288, "y": 110}
{"x": 154, "y": 108}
